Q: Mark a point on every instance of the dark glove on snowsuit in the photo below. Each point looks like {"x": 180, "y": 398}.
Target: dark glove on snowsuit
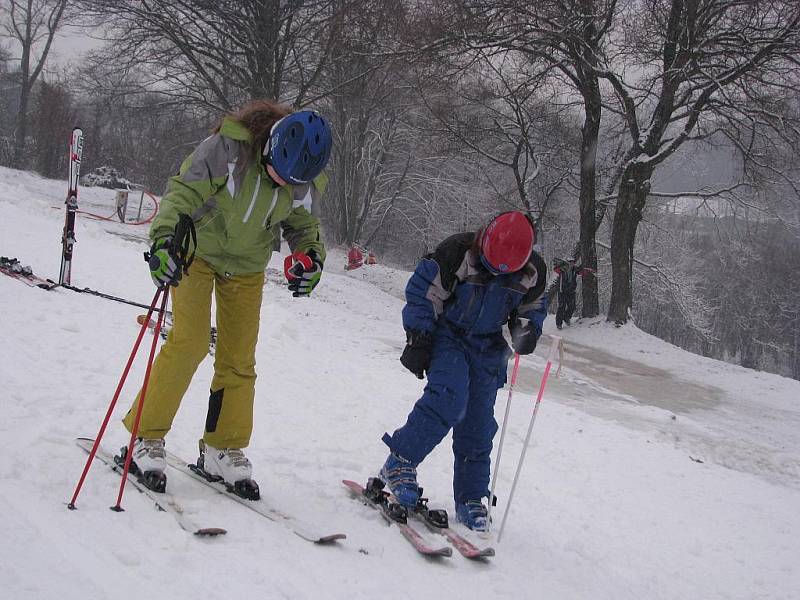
{"x": 416, "y": 355}
{"x": 523, "y": 335}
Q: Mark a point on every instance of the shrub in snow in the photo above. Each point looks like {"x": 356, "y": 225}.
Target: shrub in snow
{"x": 107, "y": 177}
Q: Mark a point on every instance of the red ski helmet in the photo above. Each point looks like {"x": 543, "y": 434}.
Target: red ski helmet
{"x": 506, "y": 242}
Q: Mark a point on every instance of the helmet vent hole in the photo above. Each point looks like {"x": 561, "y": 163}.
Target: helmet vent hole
{"x": 285, "y": 153}
{"x": 316, "y": 138}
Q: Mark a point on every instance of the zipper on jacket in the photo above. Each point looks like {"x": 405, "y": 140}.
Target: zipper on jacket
{"x": 253, "y": 200}
{"x": 230, "y": 183}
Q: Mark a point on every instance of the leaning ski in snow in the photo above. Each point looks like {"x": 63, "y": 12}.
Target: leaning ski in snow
{"x": 164, "y": 501}
{"x": 437, "y": 522}
{"x": 303, "y": 530}
{"x": 394, "y": 514}
{"x": 68, "y": 236}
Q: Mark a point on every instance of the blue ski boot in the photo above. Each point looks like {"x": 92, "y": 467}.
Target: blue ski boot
{"x": 472, "y": 513}
{"x": 400, "y": 476}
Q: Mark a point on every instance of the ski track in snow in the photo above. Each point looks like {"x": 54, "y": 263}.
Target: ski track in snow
{"x": 612, "y": 503}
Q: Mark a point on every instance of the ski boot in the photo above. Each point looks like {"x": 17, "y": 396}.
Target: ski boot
{"x": 400, "y": 476}
{"x": 231, "y": 467}
{"x": 148, "y": 463}
{"x": 473, "y": 514}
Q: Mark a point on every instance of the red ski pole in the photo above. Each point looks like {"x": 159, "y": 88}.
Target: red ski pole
{"x": 111, "y": 406}
{"x": 135, "y": 429}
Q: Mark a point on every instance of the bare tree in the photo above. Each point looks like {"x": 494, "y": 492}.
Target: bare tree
{"x": 566, "y": 37}
{"x": 32, "y": 24}
{"x": 494, "y": 108}
{"x": 50, "y": 125}
{"x": 218, "y": 54}
{"x": 365, "y": 104}
{"x": 695, "y": 61}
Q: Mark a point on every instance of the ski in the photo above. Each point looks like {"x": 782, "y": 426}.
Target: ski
{"x": 302, "y": 530}
{"x": 13, "y": 268}
{"x": 394, "y": 515}
{"x": 167, "y": 325}
{"x": 68, "y": 236}
{"x": 437, "y": 522}
{"x": 164, "y": 501}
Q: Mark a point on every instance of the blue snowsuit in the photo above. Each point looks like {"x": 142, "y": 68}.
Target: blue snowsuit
{"x": 463, "y": 306}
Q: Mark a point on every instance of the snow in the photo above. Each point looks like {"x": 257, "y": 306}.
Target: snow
{"x": 613, "y": 502}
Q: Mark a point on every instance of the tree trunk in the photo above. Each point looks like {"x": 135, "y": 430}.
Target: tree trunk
{"x": 21, "y": 130}
{"x": 796, "y": 355}
{"x": 25, "y": 84}
{"x": 633, "y": 190}
{"x": 588, "y": 250}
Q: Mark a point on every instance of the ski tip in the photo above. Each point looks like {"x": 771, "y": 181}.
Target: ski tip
{"x": 479, "y": 554}
{"x": 325, "y": 539}
{"x": 210, "y": 532}
{"x": 353, "y": 486}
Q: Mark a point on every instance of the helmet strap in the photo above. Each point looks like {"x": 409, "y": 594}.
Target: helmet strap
{"x": 489, "y": 267}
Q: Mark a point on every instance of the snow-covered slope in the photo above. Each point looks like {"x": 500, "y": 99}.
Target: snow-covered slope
{"x": 653, "y": 473}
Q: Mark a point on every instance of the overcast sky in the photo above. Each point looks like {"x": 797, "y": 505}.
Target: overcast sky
{"x": 69, "y": 44}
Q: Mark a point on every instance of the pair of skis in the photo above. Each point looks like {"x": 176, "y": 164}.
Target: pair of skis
{"x": 13, "y": 268}
{"x": 167, "y": 502}
{"x": 434, "y": 520}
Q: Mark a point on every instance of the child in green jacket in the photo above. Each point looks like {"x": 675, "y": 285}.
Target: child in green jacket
{"x": 261, "y": 169}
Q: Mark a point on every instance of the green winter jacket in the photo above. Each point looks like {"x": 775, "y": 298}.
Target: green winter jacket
{"x": 236, "y": 207}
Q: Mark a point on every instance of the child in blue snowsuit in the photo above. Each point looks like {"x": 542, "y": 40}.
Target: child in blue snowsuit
{"x": 458, "y": 299}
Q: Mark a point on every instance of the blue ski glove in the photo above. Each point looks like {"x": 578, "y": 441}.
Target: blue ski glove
{"x": 164, "y": 265}
{"x": 304, "y": 274}
{"x": 416, "y": 355}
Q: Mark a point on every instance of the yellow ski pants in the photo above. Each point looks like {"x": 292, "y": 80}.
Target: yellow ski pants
{"x": 229, "y": 422}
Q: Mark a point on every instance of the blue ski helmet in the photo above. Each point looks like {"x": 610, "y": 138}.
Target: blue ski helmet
{"x": 299, "y": 146}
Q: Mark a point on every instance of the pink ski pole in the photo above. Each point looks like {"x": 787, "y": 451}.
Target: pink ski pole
{"x": 557, "y": 341}
{"x": 514, "y": 372}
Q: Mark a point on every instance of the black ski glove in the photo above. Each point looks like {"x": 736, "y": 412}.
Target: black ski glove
{"x": 523, "y": 335}
{"x": 416, "y": 355}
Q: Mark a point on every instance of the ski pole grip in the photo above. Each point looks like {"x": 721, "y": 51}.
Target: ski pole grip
{"x": 294, "y": 258}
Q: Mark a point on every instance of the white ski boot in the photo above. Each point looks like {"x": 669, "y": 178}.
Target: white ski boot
{"x": 230, "y": 466}
{"x": 149, "y": 461}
